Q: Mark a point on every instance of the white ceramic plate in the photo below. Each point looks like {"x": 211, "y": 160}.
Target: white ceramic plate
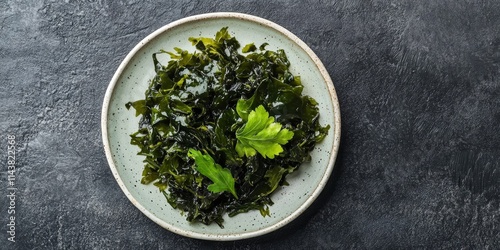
{"x": 131, "y": 80}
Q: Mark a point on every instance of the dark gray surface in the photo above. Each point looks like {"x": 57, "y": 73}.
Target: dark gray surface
{"x": 419, "y": 89}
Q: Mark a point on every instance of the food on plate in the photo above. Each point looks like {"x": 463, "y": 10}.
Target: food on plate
{"x": 220, "y": 130}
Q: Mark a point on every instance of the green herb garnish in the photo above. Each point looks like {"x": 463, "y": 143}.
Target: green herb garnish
{"x": 222, "y": 178}
{"x": 261, "y": 133}
{"x": 220, "y": 130}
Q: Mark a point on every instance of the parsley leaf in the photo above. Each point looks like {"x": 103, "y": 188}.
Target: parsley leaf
{"x": 261, "y": 134}
{"x": 221, "y": 177}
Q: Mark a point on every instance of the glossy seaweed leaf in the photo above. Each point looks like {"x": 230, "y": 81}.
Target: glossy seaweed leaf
{"x": 202, "y": 101}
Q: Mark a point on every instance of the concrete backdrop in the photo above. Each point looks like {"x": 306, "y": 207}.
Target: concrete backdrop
{"x": 419, "y": 89}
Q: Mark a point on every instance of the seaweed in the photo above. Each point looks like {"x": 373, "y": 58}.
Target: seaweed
{"x": 216, "y": 117}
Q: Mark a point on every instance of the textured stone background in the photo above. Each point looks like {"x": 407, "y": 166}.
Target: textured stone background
{"x": 419, "y": 88}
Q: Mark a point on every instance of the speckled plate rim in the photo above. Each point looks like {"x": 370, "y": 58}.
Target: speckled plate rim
{"x": 245, "y": 17}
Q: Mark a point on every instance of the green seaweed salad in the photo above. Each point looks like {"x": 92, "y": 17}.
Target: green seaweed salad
{"x": 220, "y": 130}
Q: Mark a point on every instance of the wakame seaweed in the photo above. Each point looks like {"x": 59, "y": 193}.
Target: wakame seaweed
{"x": 220, "y": 130}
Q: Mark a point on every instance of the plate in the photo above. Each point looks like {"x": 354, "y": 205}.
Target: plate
{"x": 130, "y": 82}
